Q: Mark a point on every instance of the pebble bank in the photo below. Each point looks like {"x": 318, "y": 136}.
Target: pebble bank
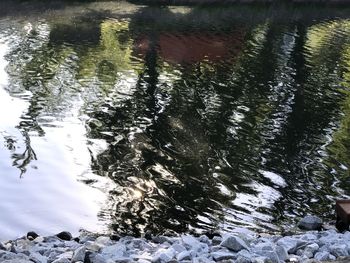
{"x": 308, "y": 246}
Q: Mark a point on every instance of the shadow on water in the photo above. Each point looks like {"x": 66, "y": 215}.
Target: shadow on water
{"x": 209, "y": 117}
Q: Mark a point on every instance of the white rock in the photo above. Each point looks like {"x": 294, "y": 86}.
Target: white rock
{"x": 67, "y": 255}
{"x": 309, "y": 237}
{"x": 289, "y": 243}
{"x": 164, "y": 255}
{"x": 61, "y": 260}
{"x": 37, "y": 257}
{"x": 259, "y": 259}
{"x": 312, "y": 248}
{"x": 190, "y": 242}
{"x": 184, "y": 255}
{"x": 338, "y": 250}
{"x": 79, "y": 254}
{"x": 204, "y": 239}
{"x": 322, "y": 255}
{"x": 16, "y": 261}
{"x": 281, "y": 253}
{"x": 178, "y": 248}
{"x": 233, "y": 243}
{"x": 114, "y": 252}
{"x": 222, "y": 255}
{"x": 201, "y": 260}
{"x": 103, "y": 240}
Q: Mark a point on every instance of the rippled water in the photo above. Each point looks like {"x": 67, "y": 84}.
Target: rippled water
{"x": 117, "y": 117}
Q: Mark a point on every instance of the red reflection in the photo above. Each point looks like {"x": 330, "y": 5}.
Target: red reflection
{"x": 186, "y": 49}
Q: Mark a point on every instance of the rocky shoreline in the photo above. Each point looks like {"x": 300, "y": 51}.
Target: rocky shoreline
{"x": 307, "y": 246}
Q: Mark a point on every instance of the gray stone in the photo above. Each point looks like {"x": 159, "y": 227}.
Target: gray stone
{"x": 201, "y": 260}
{"x": 37, "y": 257}
{"x": 16, "y": 261}
{"x": 222, "y": 255}
{"x": 190, "y": 241}
{"x": 289, "y": 243}
{"x": 98, "y": 258}
{"x": 216, "y": 240}
{"x": 338, "y": 250}
{"x": 241, "y": 259}
{"x": 272, "y": 256}
{"x": 281, "y": 253}
{"x": 7, "y": 255}
{"x": 79, "y": 254}
{"x": 178, "y": 248}
{"x": 164, "y": 255}
{"x": 311, "y": 249}
{"x": 310, "y": 223}
{"x": 114, "y": 252}
{"x": 204, "y": 239}
{"x": 234, "y": 243}
{"x": 184, "y": 255}
{"x": 322, "y": 255}
{"x": 260, "y": 260}
{"x": 61, "y": 260}
{"x": 309, "y": 237}
{"x": 159, "y": 239}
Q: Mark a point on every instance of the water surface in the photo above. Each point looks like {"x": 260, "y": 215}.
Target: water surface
{"x": 126, "y": 118}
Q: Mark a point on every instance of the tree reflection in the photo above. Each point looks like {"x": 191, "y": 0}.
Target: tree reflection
{"x": 208, "y": 120}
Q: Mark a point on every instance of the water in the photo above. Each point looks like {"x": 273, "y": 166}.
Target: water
{"x": 127, "y": 118}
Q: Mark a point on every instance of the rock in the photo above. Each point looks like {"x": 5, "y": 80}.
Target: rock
{"x": 178, "y": 248}
{"x": 114, "y": 252}
{"x": 17, "y": 261}
{"x": 233, "y": 243}
{"x": 204, "y": 239}
{"x": 282, "y": 253}
{"x": 309, "y": 237}
{"x": 31, "y": 235}
{"x": 163, "y": 255}
{"x": 241, "y": 259}
{"x": 64, "y": 235}
{"x": 103, "y": 241}
{"x": 338, "y": 250}
{"x": 184, "y": 255}
{"x": 259, "y": 260}
{"x": 211, "y": 234}
{"x": 159, "y": 239}
{"x": 289, "y": 243}
{"x": 201, "y": 260}
{"x": 312, "y": 248}
{"x": 190, "y": 242}
{"x": 216, "y": 240}
{"x": 310, "y": 223}
{"x": 222, "y": 255}
{"x": 323, "y": 255}
{"x": 2, "y": 246}
{"x": 79, "y": 254}
{"x": 61, "y": 260}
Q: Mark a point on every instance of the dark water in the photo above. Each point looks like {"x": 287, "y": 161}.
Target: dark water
{"x": 126, "y": 118}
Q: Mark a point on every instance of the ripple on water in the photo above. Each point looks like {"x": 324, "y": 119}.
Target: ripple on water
{"x": 170, "y": 119}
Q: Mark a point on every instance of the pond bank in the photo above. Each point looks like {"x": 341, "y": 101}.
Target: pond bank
{"x": 309, "y": 246}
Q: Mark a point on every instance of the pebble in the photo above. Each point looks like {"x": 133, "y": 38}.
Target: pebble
{"x": 309, "y": 246}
